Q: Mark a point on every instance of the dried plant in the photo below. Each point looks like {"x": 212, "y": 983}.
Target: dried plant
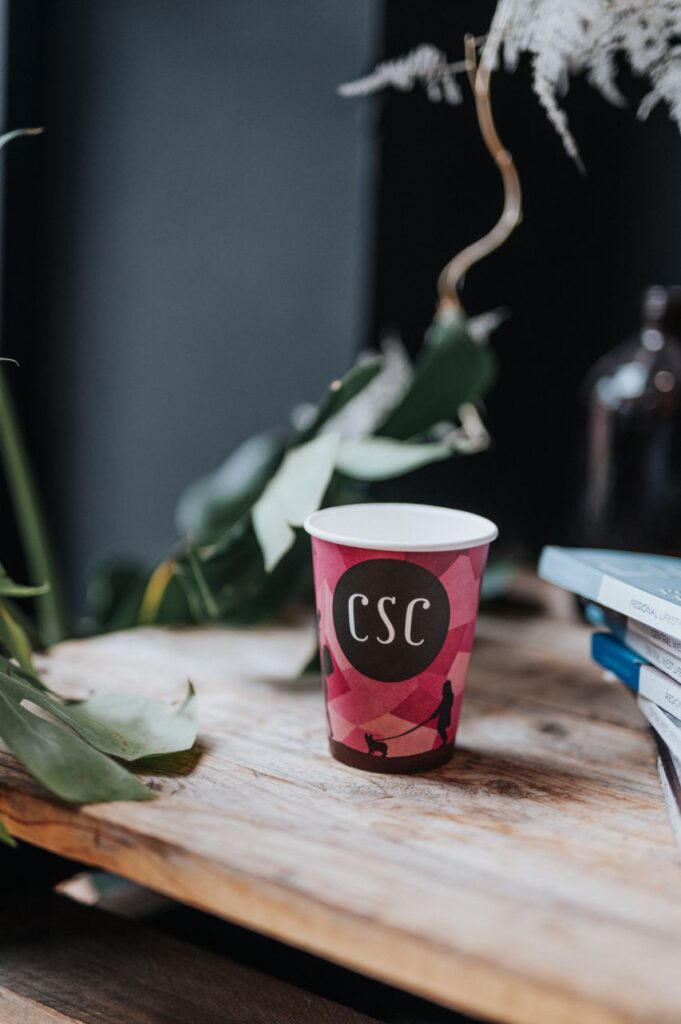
{"x": 563, "y": 38}
{"x": 426, "y": 64}
{"x": 566, "y": 37}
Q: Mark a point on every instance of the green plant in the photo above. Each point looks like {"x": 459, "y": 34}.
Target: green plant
{"x": 244, "y": 557}
{"x": 76, "y": 749}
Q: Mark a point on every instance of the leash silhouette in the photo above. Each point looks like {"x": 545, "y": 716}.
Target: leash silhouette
{"x": 443, "y": 714}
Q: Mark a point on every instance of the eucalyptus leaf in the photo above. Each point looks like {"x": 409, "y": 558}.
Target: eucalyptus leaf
{"x": 14, "y": 638}
{"x": 452, "y": 368}
{"x": 62, "y": 761}
{"x": 380, "y": 458}
{"x": 295, "y": 491}
{"x": 340, "y": 392}
{"x": 5, "y": 835}
{"x": 8, "y": 588}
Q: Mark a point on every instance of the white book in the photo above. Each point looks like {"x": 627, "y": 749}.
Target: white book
{"x": 646, "y": 588}
{"x": 657, "y": 656}
{"x": 656, "y": 687}
{"x": 654, "y": 636}
{"x": 665, "y": 725}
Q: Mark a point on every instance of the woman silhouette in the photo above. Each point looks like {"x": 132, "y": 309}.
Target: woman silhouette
{"x": 444, "y": 711}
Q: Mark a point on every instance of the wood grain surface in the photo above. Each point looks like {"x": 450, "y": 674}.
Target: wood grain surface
{"x": 535, "y": 879}
{"x": 62, "y": 962}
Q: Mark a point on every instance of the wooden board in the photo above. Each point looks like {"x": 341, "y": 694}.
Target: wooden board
{"x": 534, "y": 879}
{"x": 66, "y": 964}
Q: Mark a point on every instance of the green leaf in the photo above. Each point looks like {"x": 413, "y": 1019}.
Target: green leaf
{"x": 155, "y": 591}
{"x": 5, "y": 836}
{"x": 14, "y": 638}
{"x": 27, "y": 676}
{"x": 380, "y": 458}
{"x": 195, "y": 605}
{"x": 113, "y": 585}
{"x": 340, "y": 392}
{"x": 295, "y": 491}
{"x": 212, "y": 503}
{"x": 8, "y": 588}
{"x": 50, "y": 609}
{"x": 123, "y": 725}
{"x": 451, "y": 369}
{"x": 131, "y": 727}
{"x": 202, "y": 587}
{"x": 62, "y": 761}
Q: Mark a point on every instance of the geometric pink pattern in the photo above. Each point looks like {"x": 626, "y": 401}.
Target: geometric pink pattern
{"x": 357, "y": 705}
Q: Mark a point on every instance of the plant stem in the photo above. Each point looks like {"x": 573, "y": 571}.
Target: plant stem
{"x": 511, "y": 214}
{"x": 50, "y": 608}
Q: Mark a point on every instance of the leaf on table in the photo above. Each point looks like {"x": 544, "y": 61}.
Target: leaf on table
{"x": 451, "y": 369}
{"x": 6, "y": 836}
{"x": 8, "y": 588}
{"x": 13, "y": 637}
{"x": 380, "y": 458}
{"x": 294, "y": 492}
{"x": 340, "y": 392}
{"x": 123, "y": 725}
{"x": 62, "y": 761}
{"x": 28, "y": 676}
{"x": 131, "y": 727}
{"x": 213, "y": 502}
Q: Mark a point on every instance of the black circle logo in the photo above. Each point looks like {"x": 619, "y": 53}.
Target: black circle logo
{"x": 391, "y": 618}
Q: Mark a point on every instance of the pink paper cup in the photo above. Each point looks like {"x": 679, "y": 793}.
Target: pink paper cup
{"x": 397, "y": 589}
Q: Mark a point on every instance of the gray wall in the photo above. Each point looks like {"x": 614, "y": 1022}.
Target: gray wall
{"x": 209, "y": 226}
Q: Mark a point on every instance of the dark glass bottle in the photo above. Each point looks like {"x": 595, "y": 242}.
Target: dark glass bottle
{"x": 632, "y": 492}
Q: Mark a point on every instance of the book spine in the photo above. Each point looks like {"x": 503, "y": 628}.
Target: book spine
{"x": 664, "y": 725}
{"x": 659, "y": 689}
{"x": 654, "y": 636}
{"x": 653, "y": 611}
{"x": 668, "y": 770}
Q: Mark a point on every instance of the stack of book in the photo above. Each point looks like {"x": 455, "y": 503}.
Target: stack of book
{"x": 635, "y": 603}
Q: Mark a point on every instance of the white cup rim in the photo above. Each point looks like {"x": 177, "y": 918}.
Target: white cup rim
{"x": 400, "y": 526}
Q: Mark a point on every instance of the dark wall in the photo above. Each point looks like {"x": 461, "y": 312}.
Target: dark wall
{"x": 195, "y": 257}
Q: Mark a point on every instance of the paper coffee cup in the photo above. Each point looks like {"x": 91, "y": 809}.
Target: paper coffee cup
{"x": 397, "y": 592}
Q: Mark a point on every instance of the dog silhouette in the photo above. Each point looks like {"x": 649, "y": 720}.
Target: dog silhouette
{"x": 376, "y": 746}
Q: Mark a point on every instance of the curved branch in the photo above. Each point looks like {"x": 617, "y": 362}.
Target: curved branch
{"x": 511, "y": 214}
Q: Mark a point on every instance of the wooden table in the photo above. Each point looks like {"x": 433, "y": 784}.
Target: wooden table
{"x": 534, "y": 879}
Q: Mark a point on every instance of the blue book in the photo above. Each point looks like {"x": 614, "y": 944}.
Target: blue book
{"x": 653, "y": 687}
{"x": 646, "y": 588}
{"x": 604, "y": 618}
{"x": 655, "y": 647}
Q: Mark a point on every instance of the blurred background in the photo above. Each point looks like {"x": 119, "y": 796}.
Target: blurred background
{"x": 206, "y": 234}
